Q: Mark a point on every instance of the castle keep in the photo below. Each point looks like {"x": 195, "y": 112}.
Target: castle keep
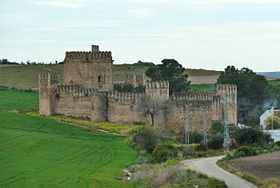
{"x": 87, "y": 92}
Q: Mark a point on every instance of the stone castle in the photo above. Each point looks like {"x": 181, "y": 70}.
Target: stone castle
{"x": 87, "y": 92}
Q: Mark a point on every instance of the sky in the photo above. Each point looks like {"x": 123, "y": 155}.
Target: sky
{"x": 209, "y": 34}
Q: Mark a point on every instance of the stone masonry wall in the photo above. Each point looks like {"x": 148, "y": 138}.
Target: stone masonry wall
{"x": 88, "y": 94}
{"x": 123, "y": 108}
{"x": 89, "y": 69}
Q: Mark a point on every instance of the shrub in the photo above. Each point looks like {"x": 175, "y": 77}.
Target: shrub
{"x": 247, "y": 151}
{"x": 196, "y": 138}
{"x": 217, "y": 127}
{"x": 146, "y": 137}
{"x": 164, "y": 152}
{"x": 276, "y": 143}
{"x": 216, "y": 142}
{"x": 251, "y": 136}
{"x": 129, "y": 88}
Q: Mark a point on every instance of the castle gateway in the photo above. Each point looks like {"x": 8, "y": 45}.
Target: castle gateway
{"x": 87, "y": 92}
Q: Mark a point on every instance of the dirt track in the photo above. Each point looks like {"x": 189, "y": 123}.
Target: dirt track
{"x": 264, "y": 166}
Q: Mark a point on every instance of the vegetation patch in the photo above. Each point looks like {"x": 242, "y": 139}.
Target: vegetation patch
{"x": 37, "y": 151}
{"x": 202, "y": 87}
{"x": 11, "y": 99}
{"x": 121, "y": 129}
{"x": 171, "y": 176}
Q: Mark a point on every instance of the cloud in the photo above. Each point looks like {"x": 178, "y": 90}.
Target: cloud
{"x": 79, "y": 3}
{"x": 261, "y": 1}
{"x": 61, "y": 3}
{"x": 191, "y": 1}
{"x": 231, "y": 1}
{"x": 141, "y": 13}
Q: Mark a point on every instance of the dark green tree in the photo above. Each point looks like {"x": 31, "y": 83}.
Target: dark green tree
{"x": 250, "y": 86}
{"x": 129, "y": 88}
{"x": 251, "y": 136}
{"x": 171, "y": 71}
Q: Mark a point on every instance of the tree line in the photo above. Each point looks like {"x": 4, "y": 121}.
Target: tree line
{"x": 7, "y": 62}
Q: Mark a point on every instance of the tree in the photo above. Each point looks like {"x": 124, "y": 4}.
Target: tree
{"x": 163, "y": 152}
{"x": 273, "y": 122}
{"x": 252, "y": 91}
{"x": 146, "y": 137}
{"x": 152, "y": 107}
{"x": 251, "y": 136}
{"x": 171, "y": 71}
{"x": 144, "y": 64}
{"x": 250, "y": 85}
{"x": 216, "y": 141}
{"x": 274, "y": 92}
{"x": 129, "y": 88}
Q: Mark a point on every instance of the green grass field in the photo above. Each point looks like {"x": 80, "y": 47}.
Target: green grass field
{"x": 202, "y": 87}
{"x": 275, "y": 82}
{"x": 40, "y": 152}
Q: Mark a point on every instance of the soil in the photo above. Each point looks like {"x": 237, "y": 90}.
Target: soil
{"x": 263, "y": 166}
{"x": 209, "y": 79}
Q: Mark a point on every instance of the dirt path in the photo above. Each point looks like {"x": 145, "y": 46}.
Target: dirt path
{"x": 263, "y": 166}
{"x": 208, "y": 166}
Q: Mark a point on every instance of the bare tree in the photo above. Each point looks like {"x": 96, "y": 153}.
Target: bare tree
{"x": 152, "y": 107}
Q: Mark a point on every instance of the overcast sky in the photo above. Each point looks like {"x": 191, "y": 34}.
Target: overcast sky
{"x": 208, "y": 34}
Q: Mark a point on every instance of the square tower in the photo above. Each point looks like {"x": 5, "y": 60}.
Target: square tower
{"x": 91, "y": 69}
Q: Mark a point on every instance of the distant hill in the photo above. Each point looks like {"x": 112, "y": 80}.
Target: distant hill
{"x": 275, "y": 74}
{"x": 26, "y": 76}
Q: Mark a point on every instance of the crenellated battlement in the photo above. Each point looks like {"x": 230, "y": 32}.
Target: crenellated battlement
{"x": 48, "y": 79}
{"x": 193, "y": 96}
{"x": 226, "y": 88}
{"x": 88, "y": 56}
{"x": 157, "y": 84}
{"x": 75, "y": 90}
{"x": 135, "y": 79}
{"x": 157, "y": 89}
{"x": 87, "y": 92}
{"x": 124, "y": 97}
{"x": 227, "y": 92}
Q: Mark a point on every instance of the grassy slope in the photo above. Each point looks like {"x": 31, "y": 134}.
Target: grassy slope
{"x": 39, "y": 152}
{"x": 27, "y": 76}
{"x": 275, "y": 82}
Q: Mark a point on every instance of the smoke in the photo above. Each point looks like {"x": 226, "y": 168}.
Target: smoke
{"x": 268, "y": 103}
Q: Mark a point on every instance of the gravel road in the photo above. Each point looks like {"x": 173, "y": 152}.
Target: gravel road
{"x": 209, "y": 167}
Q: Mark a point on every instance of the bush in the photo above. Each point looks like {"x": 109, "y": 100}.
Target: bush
{"x": 217, "y": 127}
{"x": 187, "y": 151}
{"x": 196, "y": 138}
{"x": 216, "y": 142}
{"x": 146, "y": 137}
{"x": 129, "y": 88}
{"x": 276, "y": 145}
{"x": 247, "y": 151}
{"x": 163, "y": 152}
{"x": 251, "y": 136}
